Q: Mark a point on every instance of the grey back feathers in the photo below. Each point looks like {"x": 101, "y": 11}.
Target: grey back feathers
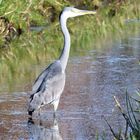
{"x": 50, "y": 72}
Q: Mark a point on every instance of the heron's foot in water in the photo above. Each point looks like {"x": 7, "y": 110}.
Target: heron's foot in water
{"x": 30, "y": 120}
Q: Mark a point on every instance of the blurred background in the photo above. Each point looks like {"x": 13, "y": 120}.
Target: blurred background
{"x": 104, "y": 62}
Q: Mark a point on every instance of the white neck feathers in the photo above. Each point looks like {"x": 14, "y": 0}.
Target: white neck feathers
{"x": 66, "y": 49}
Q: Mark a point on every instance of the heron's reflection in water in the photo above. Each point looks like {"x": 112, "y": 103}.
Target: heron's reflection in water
{"x": 47, "y": 131}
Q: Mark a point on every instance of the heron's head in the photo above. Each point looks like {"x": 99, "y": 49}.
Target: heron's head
{"x": 73, "y": 12}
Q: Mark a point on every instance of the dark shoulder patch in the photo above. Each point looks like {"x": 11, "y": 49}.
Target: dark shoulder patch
{"x": 31, "y": 97}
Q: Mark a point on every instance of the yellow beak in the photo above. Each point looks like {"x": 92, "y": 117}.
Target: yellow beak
{"x": 84, "y": 12}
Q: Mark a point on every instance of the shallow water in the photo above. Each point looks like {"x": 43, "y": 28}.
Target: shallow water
{"x": 92, "y": 81}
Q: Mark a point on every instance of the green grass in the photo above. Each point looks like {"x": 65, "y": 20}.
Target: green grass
{"x": 33, "y": 48}
{"x": 131, "y": 117}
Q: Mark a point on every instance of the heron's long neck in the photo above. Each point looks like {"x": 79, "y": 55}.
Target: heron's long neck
{"x": 66, "y": 49}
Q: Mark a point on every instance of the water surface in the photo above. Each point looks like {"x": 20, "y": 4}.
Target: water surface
{"x": 93, "y": 78}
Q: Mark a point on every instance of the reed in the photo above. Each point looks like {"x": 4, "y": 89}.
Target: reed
{"x": 131, "y": 117}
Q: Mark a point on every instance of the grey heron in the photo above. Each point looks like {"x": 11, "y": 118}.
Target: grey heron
{"x": 49, "y": 85}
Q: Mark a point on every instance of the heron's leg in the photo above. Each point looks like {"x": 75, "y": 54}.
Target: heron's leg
{"x": 30, "y": 120}
{"x": 54, "y": 114}
{"x": 55, "y": 124}
{"x": 39, "y": 115}
{"x": 39, "y": 112}
{"x": 55, "y": 105}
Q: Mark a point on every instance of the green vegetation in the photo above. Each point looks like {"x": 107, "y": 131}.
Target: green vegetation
{"x": 30, "y": 36}
{"x": 21, "y": 48}
{"x": 132, "y": 119}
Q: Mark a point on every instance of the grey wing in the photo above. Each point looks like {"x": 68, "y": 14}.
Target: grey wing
{"x": 50, "y": 74}
{"x": 40, "y": 79}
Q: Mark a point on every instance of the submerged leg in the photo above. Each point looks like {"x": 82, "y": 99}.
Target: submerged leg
{"x": 55, "y": 124}
{"x": 30, "y": 120}
{"x": 54, "y": 114}
{"x": 39, "y": 112}
{"x": 30, "y": 113}
{"x": 39, "y": 115}
{"x": 55, "y": 105}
